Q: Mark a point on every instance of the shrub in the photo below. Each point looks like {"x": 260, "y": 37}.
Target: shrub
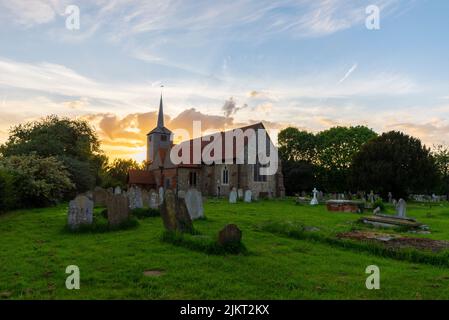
{"x": 379, "y": 203}
{"x": 8, "y": 194}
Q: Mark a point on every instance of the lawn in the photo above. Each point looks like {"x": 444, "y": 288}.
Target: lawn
{"x": 35, "y": 251}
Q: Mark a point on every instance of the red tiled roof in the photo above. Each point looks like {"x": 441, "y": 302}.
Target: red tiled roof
{"x": 204, "y": 143}
{"x": 140, "y": 177}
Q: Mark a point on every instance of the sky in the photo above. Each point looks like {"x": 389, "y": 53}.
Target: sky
{"x": 312, "y": 64}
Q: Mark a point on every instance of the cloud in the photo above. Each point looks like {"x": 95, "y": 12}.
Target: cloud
{"x": 230, "y": 107}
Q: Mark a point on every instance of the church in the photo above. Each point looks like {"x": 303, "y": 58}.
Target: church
{"x": 216, "y": 178}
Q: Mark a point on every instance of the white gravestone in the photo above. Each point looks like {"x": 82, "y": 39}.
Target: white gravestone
{"x": 80, "y": 212}
{"x": 314, "y": 200}
{"x": 194, "y": 204}
{"x": 117, "y": 190}
{"x": 233, "y": 196}
{"x": 154, "y": 200}
{"x": 135, "y": 198}
{"x": 248, "y": 196}
{"x": 401, "y": 208}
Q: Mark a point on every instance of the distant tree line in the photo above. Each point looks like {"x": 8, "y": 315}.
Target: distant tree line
{"x": 50, "y": 160}
{"x": 358, "y": 159}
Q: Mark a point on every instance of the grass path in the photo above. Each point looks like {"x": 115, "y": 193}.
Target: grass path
{"x": 34, "y": 252}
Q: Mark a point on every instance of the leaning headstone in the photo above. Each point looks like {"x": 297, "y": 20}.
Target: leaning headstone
{"x": 314, "y": 200}
{"x": 233, "y": 196}
{"x": 194, "y": 203}
{"x": 230, "y": 234}
{"x": 154, "y": 200}
{"x": 117, "y": 190}
{"x": 401, "y": 208}
{"x": 135, "y": 198}
{"x": 118, "y": 209}
{"x": 240, "y": 193}
{"x": 174, "y": 214}
{"x": 161, "y": 195}
{"x": 100, "y": 197}
{"x": 248, "y": 196}
{"x": 80, "y": 212}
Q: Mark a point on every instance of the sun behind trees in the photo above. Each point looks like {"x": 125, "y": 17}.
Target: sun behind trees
{"x": 52, "y": 159}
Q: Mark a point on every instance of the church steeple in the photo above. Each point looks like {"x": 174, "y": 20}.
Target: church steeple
{"x": 160, "y": 119}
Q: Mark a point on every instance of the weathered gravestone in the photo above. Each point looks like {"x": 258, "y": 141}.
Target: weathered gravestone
{"x": 80, "y": 212}
{"x": 194, "y": 203}
{"x": 230, "y": 234}
{"x": 174, "y": 213}
{"x": 401, "y": 208}
{"x": 233, "y": 196}
{"x": 181, "y": 194}
{"x": 161, "y": 195}
{"x": 248, "y": 196}
{"x": 154, "y": 199}
{"x": 145, "y": 198}
{"x": 240, "y": 193}
{"x": 118, "y": 190}
{"x": 100, "y": 197}
{"x": 135, "y": 198}
{"x": 118, "y": 209}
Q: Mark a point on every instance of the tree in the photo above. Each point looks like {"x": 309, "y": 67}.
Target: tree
{"x": 441, "y": 156}
{"x": 336, "y": 148}
{"x": 73, "y": 142}
{"x": 117, "y": 172}
{"x": 296, "y": 145}
{"x": 37, "y": 181}
{"x": 394, "y": 162}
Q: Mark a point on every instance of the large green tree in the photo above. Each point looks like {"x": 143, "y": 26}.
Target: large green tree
{"x": 441, "y": 156}
{"x": 116, "y": 173}
{"x": 73, "y": 142}
{"x": 395, "y": 162}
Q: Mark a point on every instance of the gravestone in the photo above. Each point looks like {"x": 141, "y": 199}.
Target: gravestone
{"x": 233, "y": 196}
{"x": 248, "y": 196}
{"x": 117, "y": 190}
{"x": 371, "y": 197}
{"x": 80, "y": 212}
{"x": 161, "y": 195}
{"x": 145, "y": 198}
{"x": 230, "y": 234}
{"x": 314, "y": 200}
{"x": 174, "y": 214}
{"x": 100, "y": 197}
{"x": 118, "y": 209}
{"x": 390, "y": 197}
{"x": 154, "y": 200}
{"x": 240, "y": 193}
{"x": 401, "y": 208}
{"x": 394, "y": 203}
{"x": 181, "y": 194}
{"x": 194, "y": 204}
{"x": 135, "y": 198}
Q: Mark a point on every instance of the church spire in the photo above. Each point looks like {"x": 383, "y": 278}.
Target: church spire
{"x": 160, "y": 119}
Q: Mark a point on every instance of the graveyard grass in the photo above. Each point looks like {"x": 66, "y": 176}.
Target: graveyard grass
{"x": 35, "y": 251}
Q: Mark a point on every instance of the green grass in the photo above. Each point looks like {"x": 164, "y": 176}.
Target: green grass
{"x": 35, "y": 251}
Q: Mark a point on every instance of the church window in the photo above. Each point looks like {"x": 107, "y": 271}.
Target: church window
{"x": 225, "y": 176}
{"x": 192, "y": 179}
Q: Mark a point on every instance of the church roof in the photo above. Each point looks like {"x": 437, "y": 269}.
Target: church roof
{"x": 140, "y": 177}
{"x": 204, "y": 143}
